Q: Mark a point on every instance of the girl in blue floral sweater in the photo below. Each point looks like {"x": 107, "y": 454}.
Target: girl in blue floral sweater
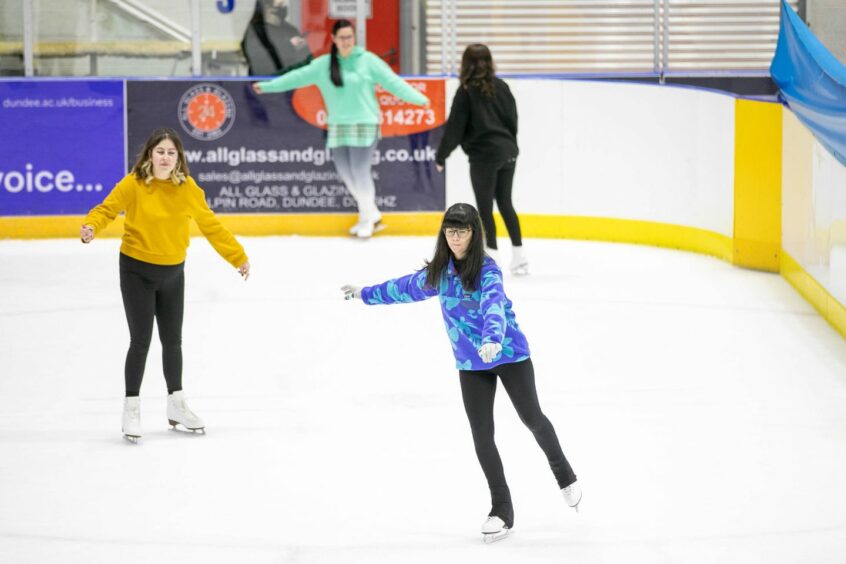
{"x": 487, "y": 344}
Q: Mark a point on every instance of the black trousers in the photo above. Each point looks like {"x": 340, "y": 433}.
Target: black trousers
{"x": 152, "y": 291}
{"x": 478, "y": 388}
{"x": 493, "y": 181}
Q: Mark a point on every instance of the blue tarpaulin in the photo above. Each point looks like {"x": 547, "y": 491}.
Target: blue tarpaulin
{"x": 811, "y": 81}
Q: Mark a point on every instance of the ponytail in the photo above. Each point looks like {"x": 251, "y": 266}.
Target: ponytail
{"x": 335, "y": 67}
{"x": 334, "y": 64}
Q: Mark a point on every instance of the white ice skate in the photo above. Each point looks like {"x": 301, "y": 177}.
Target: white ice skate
{"x": 519, "y": 263}
{"x": 367, "y": 229}
{"x": 573, "y": 495}
{"x": 494, "y": 529}
{"x": 354, "y": 229}
{"x": 131, "y": 427}
{"x": 178, "y": 413}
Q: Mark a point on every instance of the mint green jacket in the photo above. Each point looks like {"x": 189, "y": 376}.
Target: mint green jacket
{"x": 354, "y": 102}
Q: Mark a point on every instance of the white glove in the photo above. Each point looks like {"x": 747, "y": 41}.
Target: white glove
{"x": 351, "y": 292}
{"x": 489, "y": 351}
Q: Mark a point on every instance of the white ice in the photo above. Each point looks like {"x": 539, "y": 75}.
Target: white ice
{"x": 702, "y": 406}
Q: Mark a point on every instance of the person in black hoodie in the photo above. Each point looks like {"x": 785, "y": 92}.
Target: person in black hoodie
{"x": 483, "y": 120}
{"x": 271, "y": 44}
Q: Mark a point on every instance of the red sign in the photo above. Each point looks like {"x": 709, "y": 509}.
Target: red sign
{"x": 397, "y": 117}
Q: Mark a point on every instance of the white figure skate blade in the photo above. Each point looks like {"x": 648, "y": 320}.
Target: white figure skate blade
{"x": 493, "y": 537}
{"x": 180, "y": 428}
{"x": 376, "y": 229}
{"x": 132, "y": 439}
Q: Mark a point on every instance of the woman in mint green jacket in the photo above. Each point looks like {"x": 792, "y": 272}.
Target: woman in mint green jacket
{"x": 347, "y": 79}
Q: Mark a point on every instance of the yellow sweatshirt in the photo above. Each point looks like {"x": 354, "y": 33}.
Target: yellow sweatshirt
{"x": 157, "y": 214}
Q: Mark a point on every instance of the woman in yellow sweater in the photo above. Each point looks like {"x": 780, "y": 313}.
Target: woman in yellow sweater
{"x": 159, "y": 199}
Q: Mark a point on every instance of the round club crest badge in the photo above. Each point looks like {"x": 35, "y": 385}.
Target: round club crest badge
{"x": 206, "y": 112}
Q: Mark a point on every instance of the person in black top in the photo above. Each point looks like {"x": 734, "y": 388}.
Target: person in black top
{"x": 271, "y": 44}
{"x": 483, "y": 120}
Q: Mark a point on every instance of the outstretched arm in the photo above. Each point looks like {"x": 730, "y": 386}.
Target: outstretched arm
{"x": 297, "y": 78}
{"x": 103, "y": 214}
{"x": 407, "y": 289}
{"x": 389, "y": 80}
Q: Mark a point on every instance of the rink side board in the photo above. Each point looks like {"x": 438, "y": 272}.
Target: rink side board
{"x": 61, "y": 149}
{"x": 757, "y": 185}
{"x": 266, "y": 154}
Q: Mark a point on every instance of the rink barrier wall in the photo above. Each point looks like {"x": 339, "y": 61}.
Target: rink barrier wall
{"x": 814, "y": 293}
{"x": 694, "y": 170}
{"x": 325, "y": 225}
{"x": 677, "y": 237}
{"x": 613, "y": 230}
{"x": 813, "y": 256}
{"x": 757, "y": 185}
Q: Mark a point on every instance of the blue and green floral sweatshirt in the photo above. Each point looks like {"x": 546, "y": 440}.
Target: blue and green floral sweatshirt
{"x": 471, "y": 318}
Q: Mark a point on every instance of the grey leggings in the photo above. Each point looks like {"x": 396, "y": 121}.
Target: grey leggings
{"x": 353, "y": 165}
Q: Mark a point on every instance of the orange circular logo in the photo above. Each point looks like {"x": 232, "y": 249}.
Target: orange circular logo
{"x": 206, "y": 112}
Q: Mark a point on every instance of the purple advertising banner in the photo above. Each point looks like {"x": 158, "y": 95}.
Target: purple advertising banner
{"x": 61, "y": 145}
{"x": 257, "y": 154}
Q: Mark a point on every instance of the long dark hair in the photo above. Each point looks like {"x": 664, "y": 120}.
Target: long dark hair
{"x": 143, "y": 167}
{"x": 334, "y": 65}
{"x": 459, "y": 216}
{"x": 477, "y": 68}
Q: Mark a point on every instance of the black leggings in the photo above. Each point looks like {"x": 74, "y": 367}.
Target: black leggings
{"x": 152, "y": 291}
{"x": 493, "y": 180}
{"x": 478, "y": 388}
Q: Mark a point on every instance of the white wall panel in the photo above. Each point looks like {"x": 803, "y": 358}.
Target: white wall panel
{"x": 814, "y": 208}
{"x": 626, "y": 151}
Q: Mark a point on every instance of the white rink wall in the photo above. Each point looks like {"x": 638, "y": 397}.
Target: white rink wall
{"x": 814, "y": 208}
{"x": 618, "y": 150}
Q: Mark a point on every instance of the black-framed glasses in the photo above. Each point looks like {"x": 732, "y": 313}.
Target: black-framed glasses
{"x": 460, "y": 232}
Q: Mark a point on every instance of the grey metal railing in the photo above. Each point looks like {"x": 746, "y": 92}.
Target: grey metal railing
{"x": 605, "y": 36}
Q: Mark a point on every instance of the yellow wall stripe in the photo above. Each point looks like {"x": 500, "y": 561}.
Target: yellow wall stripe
{"x": 624, "y": 231}
{"x": 423, "y": 223}
{"x": 44, "y": 227}
{"x": 828, "y": 307}
{"x": 757, "y": 185}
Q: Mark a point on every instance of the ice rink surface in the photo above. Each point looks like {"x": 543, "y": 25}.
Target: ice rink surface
{"x": 702, "y": 406}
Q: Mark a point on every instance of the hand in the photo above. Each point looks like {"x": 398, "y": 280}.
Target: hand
{"x": 439, "y": 168}
{"x": 86, "y": 233}
{"x": 256, "y": 88}
{"x": 351, "y": 292}
{"x": 489, "y": 351}
{"x": 244, "y": 270}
